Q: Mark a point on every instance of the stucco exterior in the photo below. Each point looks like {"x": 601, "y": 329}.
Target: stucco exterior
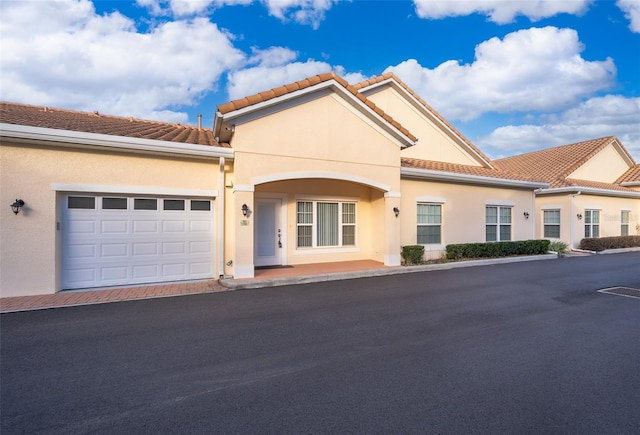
{"x": 315, "y": 171}
{"x": 29, "y": 243}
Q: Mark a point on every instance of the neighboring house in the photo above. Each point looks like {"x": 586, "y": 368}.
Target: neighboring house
{"x": 314, "y": 171}
{"x": 594, "y": 189}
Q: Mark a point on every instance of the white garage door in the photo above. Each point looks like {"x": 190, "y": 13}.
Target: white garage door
{"x": 118, "y": 240}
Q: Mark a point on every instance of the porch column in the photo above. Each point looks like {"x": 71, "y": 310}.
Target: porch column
{"x": 392, "y": 229}
{"x": 243, "y": 231}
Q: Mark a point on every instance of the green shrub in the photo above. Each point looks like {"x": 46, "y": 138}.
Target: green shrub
{"x": 497, "y": 249}
{"x": 603, "y": 243}
{"x": 559, "y": 247}
{"x": 413, "y": 254}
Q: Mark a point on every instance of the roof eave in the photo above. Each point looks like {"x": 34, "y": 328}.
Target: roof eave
{"x": 76, "y": 139}
{"x": 588, "y": 190}
{"x": 428, "y": 174}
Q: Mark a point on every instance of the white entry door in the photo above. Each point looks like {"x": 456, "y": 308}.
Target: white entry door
{"x": 268, "y": 235}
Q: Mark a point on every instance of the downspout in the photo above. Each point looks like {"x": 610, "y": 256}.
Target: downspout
{"x": 221, "y": 196}
{"x": 572, "y": 226}
{"x": 534, "y": 213}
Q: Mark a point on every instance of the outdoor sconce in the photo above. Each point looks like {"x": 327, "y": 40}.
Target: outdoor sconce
{"x": 245, "y": 210}
{"x": 579, "y": 216}
{"x": 396, "y": 210}
{"x": 526, "y": 215}
{"x": 16, "y": 206}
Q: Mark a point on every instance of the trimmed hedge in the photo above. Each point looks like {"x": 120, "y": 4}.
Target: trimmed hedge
{"x": 603, "y": 243}
{"x": 413, "y": 254}
{"x": 497, "y": 249}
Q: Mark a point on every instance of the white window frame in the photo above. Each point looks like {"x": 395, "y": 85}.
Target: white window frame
{"x": 590, "y": 225}
{"x": 314, "y": 223}
{"x": 438, "y": 224}
{"x": 499, "y": 224}
{"x": 624, "y": 222}
{"x": 546, "y": 225}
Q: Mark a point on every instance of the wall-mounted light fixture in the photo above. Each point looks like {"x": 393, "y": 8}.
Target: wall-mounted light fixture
{"x": 16, "y": 206}
{"x": 245, "y": 210}
{"x": 579, "y": 216}
{"x": 526, "y": 215}
{"x": 396, "y": 210}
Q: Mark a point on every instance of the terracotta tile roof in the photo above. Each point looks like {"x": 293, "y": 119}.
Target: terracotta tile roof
{"x": 306, "y": 83}
{"x": 61, "y": 119}
{"x": 388, "y": 76}
{"x": 632, "y": 175}
{"x": 554, "y": 165}
{"x": 456, "y": 168}
{"x": 572, "y": 182}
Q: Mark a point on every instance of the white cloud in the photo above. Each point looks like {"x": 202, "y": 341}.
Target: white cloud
{"x": 611, "y": 115}
{"x": 301, "y": 11}
{"x": 500, "y": 11}
{"x": 537, "y": 69}
{"x": 261, "y": 78}
{"x": 631, "y": 9}
{"x": 182, "y": 8}
{"x": 308, "y": 12}
{"x": 63, "y": 54}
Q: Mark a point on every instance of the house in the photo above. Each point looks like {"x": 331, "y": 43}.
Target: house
{"x": 594, "y": 189}
{"x": 313, "y": 171}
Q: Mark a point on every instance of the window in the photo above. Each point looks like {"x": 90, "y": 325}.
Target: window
{"x": 85, "y": 202}
{"x": 624, "y": 223}
{"x": 145, "y": 204}
{"x": 200, "y": 205}
{"x": 174, "y": 204}
{"x": 325, "y": 223}
{"x": 114, "y": 203}
{"x": 429, "y": 224}
{"x": 498, "y": 223}
{"x": 592, "y": 223}
{"x": 551, "y": 219}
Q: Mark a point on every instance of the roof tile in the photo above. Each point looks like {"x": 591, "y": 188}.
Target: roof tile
{"x": 62, "y": 119}
{"x": 456, "y": 168}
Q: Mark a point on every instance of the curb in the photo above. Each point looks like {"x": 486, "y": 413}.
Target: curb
{"x": 242, "y": 284}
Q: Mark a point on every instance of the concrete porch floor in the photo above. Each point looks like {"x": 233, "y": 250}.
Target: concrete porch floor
{"x": 263, "y": 278}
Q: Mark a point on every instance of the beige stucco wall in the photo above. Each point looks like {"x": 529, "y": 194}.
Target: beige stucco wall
{"x": 433, "y": 142}
{"x": 463, "y": 212}
{"x": 323, "y": 146}
{"x": 29, "y": 257}
{"x": 572, "y": 228}
{"x": 606, "y": 166}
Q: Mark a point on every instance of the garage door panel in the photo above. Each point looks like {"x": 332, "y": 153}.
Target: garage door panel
{"x": 128, "y": 245}
{"x": 111, "y": 226}
{"x": 200, "y": 226}
{"x": 176, "y": 270}
{"x": 82, "y": 251}
{"x": 115, "y": 250}
{"x": 203, "y": 247}
{"x": 173, "y": 226}
{"x": 82, "y": 275}
{"x": 145, "y": 271}
{"x": 200, "y": 268}
{"x": 82, "y": 226}
{"x": 148, "y": 248}
{"x": 173, "y": 248}
{"x": 114, "y": 273}
{"x": 145, "y": 226}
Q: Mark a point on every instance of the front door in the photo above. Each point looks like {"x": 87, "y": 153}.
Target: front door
{"x": 268, "y": 232}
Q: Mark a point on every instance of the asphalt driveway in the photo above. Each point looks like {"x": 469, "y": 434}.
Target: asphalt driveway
{"x": 512, "y": 348}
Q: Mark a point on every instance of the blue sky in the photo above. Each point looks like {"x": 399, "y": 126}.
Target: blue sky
{"x": 513, "y": 76}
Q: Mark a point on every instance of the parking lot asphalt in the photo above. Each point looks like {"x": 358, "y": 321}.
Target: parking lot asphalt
{"x": 528, "y": 347}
